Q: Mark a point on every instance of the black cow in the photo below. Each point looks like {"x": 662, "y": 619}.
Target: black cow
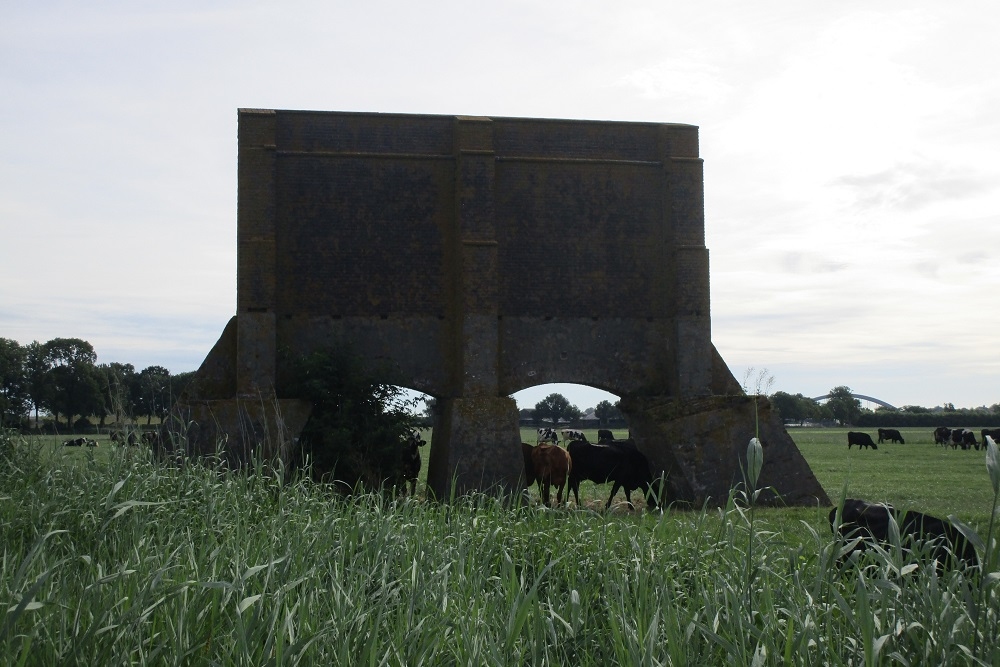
{"x": 411, "y": 460}
{"x": 993, "y": 433}
{"x": 860, "y": 439}
{"x": 890, "y": 434}
{"x": 870, "y": 522}
{"x": 617, "y": 461}
{"x": 969, "y": 438}
{"x": 942, "y": 434}
{"x": 605, "y": 435}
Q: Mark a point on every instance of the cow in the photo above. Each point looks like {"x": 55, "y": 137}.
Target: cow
{"x": 870, "y": 522}
{"x": 411, "y": 460}
{"x": 969, "y": 439}
{"x": 942, "y": 435}
{"x": 605, "y": 435}
{"x": 80, "y": 442}
{"x": 992, "y": 433}
{"x": 964, "y": 438}
{"x": 890, "y": 434}
{"x": 547, "y": 435}
{"x": 550, "y": 466}
{"x": 860, "y": 439}
{"x": 617, "y": 461}
{"x": 569, "y": 434}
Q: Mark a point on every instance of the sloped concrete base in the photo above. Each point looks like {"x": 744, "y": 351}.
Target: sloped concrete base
{"x": 700, "y": 445}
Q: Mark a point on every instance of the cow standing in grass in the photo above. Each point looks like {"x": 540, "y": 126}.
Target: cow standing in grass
{"x": 411, "y": 460}
{"x": 619, "y": 462}
{"x": 550, "y": 466}
{"x": 860, "y": 439}
{"x": 890, "y": 434}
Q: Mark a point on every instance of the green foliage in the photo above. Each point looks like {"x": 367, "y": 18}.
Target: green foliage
{"x": 14, "y": 394}
{"x": 797, "y": 408}
{"x": 359, "y": 422}
{"x": 123, "y": 559}
{"x": 606, "y": 412}
{"x": 555, "y": 408}
{"x": 845, "y": 408}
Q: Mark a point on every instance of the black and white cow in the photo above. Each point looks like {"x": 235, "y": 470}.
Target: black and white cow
{"x": 411, "y": 460}
{"x": 80, "y": 442}
{"x": 547, "y": 435}
{"x": 890, "y": 434}
{"x": 569, "y": 434}
{"x": 860, "y": 439}
{"x": 942, "y": 436}
{"x": 870, "y": 522}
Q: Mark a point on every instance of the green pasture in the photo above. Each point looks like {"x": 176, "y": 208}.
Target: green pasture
{"x": 110, "y": 557}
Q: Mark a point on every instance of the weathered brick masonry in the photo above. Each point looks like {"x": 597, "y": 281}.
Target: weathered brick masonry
{"x": 477, "y": 257}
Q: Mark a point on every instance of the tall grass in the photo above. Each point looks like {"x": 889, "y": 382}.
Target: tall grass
{"x": 125, "y": 560}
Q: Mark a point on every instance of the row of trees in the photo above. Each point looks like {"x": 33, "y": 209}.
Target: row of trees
{"x": 556, "y": 408}
{"x": 842, "y": 407}
{"x": 62, "y": 378}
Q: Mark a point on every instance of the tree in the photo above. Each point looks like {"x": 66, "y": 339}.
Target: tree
{"x": 606, "y": 411}
{"x": 554, "y": 408}
{"x": 152, "y": 392}
{"x": 116, "y": 380}
{"x": 845, "y": 408}
{"x": 797, "y": 408}
{"x": 358, "y": 423}
{"x": 37, "y": 366}
{"x": 74, "y": 388}
{"x": 14, "y": 397}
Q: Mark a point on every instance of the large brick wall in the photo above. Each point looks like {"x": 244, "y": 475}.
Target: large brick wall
{"x": 477, "y": 256}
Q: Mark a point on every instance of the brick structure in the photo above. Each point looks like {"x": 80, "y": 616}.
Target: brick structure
{"x": 477, "y": 257}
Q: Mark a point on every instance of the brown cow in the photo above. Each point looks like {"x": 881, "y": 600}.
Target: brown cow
{"x": 549, "y": 465}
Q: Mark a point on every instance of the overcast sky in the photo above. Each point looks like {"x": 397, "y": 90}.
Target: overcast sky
{"x": 852, "y": 170}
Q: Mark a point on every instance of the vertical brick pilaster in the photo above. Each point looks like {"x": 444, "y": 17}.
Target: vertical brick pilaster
{"x": 256, "y": 209}
{"x": 475, "y": 176}
{"x": 685, "y": 185}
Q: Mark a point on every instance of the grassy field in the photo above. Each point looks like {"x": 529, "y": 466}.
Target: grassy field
{"x": 109, "y": 557}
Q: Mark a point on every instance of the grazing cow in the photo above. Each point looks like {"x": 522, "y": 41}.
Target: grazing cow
{"x": 550, "y": 466}
{"x": 618, "y": 461}
{"x": 860, "y": 439}
{"x": 890, "y": 434}
{"x": 992, "y": 433}
{"x": 411, "y": 460}
{"x": 547, "y": 435}
{"x": 942, "y": 434}
{"x": 569, "y": 434}
{"x": 870, "y": 522}
{"x": 969, "y": 439}
{"x": 605, "y": 435}
{"x": 117, "y": 436}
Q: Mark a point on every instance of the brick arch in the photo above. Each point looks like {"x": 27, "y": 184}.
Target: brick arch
{"x": 476, "y": 256}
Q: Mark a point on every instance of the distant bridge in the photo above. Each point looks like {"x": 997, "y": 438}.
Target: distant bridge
{"x": 861, "y": 397}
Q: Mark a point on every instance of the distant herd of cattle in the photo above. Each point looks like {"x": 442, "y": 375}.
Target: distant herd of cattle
{"x": 944, "y": 436}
